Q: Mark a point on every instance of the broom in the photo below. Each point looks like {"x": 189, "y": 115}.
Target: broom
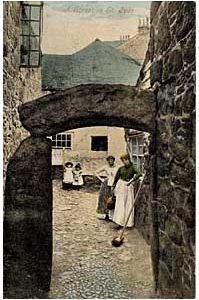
{"x": 118, "y": 241}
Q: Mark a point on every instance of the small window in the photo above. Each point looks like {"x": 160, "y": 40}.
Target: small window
{"x": 99, "y": 143}
{"x": 62, "y": 140}
{"x": 137, "y": 146}
{"x": 31, "y": 23}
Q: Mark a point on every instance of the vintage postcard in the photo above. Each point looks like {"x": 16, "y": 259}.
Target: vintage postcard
{"x": 99, "y": 149}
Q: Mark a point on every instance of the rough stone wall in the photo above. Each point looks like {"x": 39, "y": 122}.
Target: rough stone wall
{"x": 172, "y": 56}
{"x": 142, "y": 205}
{"x": 90, "y": 105}
{"x": 20, "y": 84}
{"x": 28, "y": 221}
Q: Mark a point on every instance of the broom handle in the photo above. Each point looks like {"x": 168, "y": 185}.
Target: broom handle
{"x": 122, "y": 233}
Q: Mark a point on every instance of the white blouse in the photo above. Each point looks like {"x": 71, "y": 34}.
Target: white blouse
{"x": 110, "y": 172}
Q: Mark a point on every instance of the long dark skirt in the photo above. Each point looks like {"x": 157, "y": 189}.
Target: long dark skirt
{"x": 105, "y": 191}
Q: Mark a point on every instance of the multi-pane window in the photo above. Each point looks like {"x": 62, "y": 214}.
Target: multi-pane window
{"x": 99, "y": 143}
{"x": 31, "y": 19}
{"x": 62, "y": 140}
{"x": 137, "y": 147}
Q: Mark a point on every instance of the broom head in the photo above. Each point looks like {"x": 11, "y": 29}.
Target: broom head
{"x": 117, "y": 242}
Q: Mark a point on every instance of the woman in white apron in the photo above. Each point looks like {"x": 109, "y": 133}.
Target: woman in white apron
{"x": 123, "y": 190}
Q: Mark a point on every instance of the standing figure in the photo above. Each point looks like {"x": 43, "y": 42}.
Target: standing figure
{"x": 77, "y": 177}
{"x": 67, "y": 176}
{"x": 109, "y": 172}
{"x": 124, "y": 192}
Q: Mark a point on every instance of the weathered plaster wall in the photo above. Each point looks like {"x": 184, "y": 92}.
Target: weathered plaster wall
{"x": 20, "y": 84}
{"x": 171, "y": 56}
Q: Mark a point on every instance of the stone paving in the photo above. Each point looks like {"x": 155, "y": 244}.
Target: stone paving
{"x": 85, "y": 265}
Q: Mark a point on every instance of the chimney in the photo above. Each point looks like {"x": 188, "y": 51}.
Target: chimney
{"x": 143, "y": 26}
{"x": 147, "y": 22}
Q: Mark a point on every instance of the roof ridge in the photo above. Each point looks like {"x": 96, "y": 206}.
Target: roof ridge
{"x": 107, "y": 46}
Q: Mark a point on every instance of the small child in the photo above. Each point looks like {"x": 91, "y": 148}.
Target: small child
{"x": 77, "y": 176}
{"x": 67, "y": 183}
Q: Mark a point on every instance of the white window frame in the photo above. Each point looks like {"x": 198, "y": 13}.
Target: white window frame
{"x": 59, "y": 138}
{"x": 136, "y": 154}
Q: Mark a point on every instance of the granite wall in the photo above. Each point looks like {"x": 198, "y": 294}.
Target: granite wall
{"x": 19, "y": 84}
{"x": 171, "y": 56}
{"x": 28, "y": 221}
{"x": 22, "y": 214}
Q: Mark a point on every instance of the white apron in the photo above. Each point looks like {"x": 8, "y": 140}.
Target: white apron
{"x": 124, "y": 201}
{"x": 78, "y": 181}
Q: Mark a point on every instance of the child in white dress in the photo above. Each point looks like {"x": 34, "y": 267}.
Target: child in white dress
{"x": 77, "y": 177}
{"x": 67, "y": 182}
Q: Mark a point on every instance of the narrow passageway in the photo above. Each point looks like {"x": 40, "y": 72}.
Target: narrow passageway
{"x": 85, "y": 265}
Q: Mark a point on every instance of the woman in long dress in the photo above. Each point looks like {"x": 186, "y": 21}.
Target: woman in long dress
{"x": 106, "y": 175}
{"x": 123, "y": 190}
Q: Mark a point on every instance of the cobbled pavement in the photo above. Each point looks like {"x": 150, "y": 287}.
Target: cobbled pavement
{"x": 85, "y": 264}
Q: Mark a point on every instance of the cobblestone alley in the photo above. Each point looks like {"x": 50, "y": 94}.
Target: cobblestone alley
{"x": 85, "y": 265}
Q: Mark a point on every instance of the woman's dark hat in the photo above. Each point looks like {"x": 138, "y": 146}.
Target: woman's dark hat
{"x": 110, "y": 157}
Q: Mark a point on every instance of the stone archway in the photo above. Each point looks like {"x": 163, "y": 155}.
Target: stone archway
{"x": 90, "y": 105}
{"x": 28, "y": 194}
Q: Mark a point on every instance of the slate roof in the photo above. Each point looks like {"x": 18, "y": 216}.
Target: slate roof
{"x": 96, "y": 63}
{"x": 114, "y": 44}
{"x": 136, "y": 47}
